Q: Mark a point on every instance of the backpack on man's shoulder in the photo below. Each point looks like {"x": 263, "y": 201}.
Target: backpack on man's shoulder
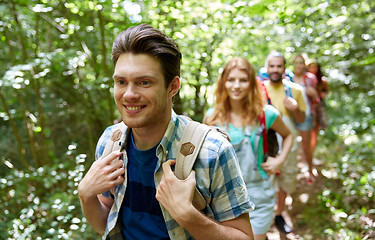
{"x": 188, "y": 149}
{"x": 270, "y": 144}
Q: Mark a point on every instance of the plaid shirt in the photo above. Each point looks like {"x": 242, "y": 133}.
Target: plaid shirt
{"x": 218, "y": 178}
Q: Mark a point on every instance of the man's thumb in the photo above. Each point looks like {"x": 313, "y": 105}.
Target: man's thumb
{"x": 191, "y": 176}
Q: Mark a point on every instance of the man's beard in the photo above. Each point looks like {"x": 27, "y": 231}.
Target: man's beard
{"x": 276, "y": 80}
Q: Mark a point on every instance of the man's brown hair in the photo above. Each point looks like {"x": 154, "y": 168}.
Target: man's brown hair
{"x": 148, "y": 40}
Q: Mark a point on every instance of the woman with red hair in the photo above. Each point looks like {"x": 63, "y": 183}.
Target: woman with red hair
{"x": 321, "y": 113}
{"x": 239, "y": 108}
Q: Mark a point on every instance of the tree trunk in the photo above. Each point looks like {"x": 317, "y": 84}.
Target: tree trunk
{"x": 107, "y": 74}
{"x": 21, "y": 38}
{"x": 87, "y": 117}
{"x": 177, "y": 104}
{"x": 44, "y": 149}
{"x": 30, "y": 132}
{"x": 21, "y": 148}
{"x": 11, "y": 55}
{"x": 36, "y": 50}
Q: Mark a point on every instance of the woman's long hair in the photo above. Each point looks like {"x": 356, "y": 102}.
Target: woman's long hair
{"x": 319, "y": 74}
{"x": 251, "y": 105}
{"x": 321, "y": 86}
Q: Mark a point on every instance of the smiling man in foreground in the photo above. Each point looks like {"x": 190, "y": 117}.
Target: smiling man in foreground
{"x": 133, "y": 193}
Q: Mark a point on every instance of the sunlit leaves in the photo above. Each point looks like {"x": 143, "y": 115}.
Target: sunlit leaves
{"x": 15, "y": 77}
{"x": 66, "y": 56}
{"x": 43, "y": 202}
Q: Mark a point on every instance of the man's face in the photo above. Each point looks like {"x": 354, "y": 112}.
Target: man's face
{"x": 276, "y": 68}
{"x": 139, "y": 91}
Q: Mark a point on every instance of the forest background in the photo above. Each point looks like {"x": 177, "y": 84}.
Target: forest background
{"x": 56, "y": 97}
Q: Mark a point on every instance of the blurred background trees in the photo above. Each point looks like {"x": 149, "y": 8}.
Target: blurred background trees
{"x": 56, "y": 95}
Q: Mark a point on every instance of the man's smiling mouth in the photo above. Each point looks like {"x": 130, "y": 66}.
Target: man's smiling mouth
{"x": 134, "y": 108}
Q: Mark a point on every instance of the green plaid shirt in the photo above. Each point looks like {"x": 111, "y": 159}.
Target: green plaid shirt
{"x": 218, "y": 178}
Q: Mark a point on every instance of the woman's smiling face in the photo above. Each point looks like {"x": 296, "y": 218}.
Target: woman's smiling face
{"x": 237, "y": 84}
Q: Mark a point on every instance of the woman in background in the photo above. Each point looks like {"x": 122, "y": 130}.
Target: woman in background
{"x": 309, "y": 82}
{"x": 321, "y": 113}
{"x": 240, "y": 104}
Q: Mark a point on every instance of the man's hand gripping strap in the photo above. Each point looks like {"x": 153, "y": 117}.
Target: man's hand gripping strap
{"x": 188, "y": 150}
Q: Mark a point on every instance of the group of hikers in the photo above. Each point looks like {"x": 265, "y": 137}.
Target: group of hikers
{"x": 244, "y": 171}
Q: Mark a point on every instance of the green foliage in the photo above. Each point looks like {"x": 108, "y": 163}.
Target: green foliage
{"x": 348, "y": 195}
{"x": 43, "y": 203}
{"x": 55, "y": 90}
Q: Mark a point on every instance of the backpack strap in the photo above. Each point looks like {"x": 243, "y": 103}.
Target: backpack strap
{"x": 188, "y": 150}
{"x": 113, "y": 143}
{"x": 262, "y": 122}
{"x": 264, "y": 89}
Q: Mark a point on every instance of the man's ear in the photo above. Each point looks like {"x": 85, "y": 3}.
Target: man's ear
{"x": 174, "y": 86}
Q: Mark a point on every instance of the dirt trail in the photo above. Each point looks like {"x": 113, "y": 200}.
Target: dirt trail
{"x": 306, "y": 195}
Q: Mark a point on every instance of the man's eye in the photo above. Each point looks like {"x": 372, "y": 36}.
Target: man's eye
{"x": 144, "y": 83}
{"x": 121, "y": 81}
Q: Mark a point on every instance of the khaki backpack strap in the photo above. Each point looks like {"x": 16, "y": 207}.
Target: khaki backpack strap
{"x": 188, "y": 150}
{"x": 113, "y": 143}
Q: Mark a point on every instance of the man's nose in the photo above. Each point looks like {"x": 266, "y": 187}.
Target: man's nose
{"x": 131, "y": 92}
